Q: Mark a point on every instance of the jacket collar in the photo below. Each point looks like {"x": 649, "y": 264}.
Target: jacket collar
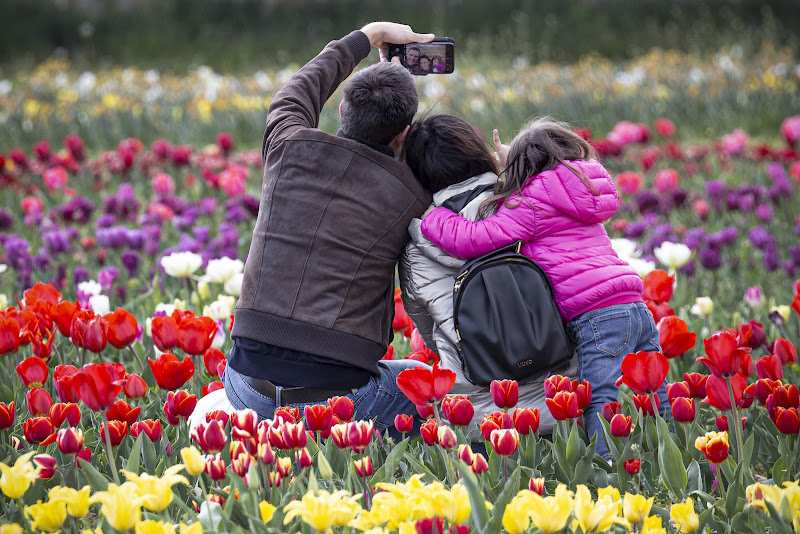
{"x": 384, "y": 149}
{"x": 487, "y": 178}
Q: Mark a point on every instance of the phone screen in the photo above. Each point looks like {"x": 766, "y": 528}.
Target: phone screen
{"x": 425, "y": 58}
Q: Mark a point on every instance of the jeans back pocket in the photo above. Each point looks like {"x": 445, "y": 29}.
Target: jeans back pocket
{"x": 612, "y": 331}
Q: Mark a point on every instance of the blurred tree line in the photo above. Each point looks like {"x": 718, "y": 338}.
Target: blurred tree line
{"x": 245, "y": 35}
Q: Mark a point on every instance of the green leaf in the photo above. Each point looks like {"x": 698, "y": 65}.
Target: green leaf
{"x": 573, "y": 450}
{"x": 132, "y": 464}
{"x": 670, "y": 461}
{"x": 584, "y": 465}
{"x": 509, "y": 491}
{"x": 734, "y": 490}
{"x": 390, "y": 465}
{"x": 694, "y": 477}
{"x": 97, "y": 480}
{"x": 480, "y": 515}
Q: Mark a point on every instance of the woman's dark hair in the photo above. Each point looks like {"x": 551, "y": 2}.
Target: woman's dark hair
{"x": 542, "y": 145}
{"x": 443, "y": 150}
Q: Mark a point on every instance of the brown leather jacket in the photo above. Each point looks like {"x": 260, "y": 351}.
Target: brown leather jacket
{"x": 331, "y": 226}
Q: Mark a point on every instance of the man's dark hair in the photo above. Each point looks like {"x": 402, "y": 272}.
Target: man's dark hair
{"x": 379, "y": 102}
{"x": 443, "y": 150}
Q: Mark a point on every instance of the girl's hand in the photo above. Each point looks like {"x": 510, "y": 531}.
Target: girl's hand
{"x": 427, "y": 211}
{"x": 501, "y": 150}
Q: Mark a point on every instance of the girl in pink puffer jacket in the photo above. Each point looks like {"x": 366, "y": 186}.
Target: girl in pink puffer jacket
{"x": 554, "y": 197}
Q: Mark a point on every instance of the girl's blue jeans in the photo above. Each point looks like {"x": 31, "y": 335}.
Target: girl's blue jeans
{"x": 603, "y": 337}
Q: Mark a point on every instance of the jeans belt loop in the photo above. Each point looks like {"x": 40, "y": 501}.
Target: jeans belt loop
{"x": 278, "y": 396}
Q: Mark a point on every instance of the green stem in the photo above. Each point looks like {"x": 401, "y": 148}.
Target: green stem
{"x": 110, "y": 450}
{"x": 737, "y": 424}
{"x": 138, "y": 359}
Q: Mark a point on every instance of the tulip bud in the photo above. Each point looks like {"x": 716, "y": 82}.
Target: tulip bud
{"x": 85, "y": 456}
{"x": 169, "y": 450}
{"x": 633, "y": 465}
{"x": 536, "y": 485}
{"x": 465, "y": 454}
{"x": 429, "y": 432}
{"x": 364, "y": 466}
{"x": 6, "y": 415}
{"x": 302, "y": 458}
{"x": 505, "y": 441}
{"x": 403, "y": 423}
{"x": 193, "y": 460}
{"x": 683, "y": 409}
{"x": 70, "y": 440}
{"x": 283, "y": 466}
{"x": 46, "y": 464}
{"x": 787, "y": 420}
{"x": 526, "y": 420}
{"x": 621, "y": 425}
{"x": 479, "y": 464}
{"x": 447, "y": 437}
{"x": 210, "y": 437}
{"x": 339, "y": 435}
{"x": 609, "y": 410}
{"x": 294, "y": 435}
{"x": 714, "y": 445}
{"x": 359, "y": 434}
{"x": 505, "y": 393}
{"x": 342, "y": 408}
{"x": 215, "y": 467}
{"x": 265, "y": 454}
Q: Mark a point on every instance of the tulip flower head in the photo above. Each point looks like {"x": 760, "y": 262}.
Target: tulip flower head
{"x": 723, "y": 355}
{"x": 714, "y": 446}
{"x": 458, "y": 410}
{"x": 672, "y": 255}
{"x": 429, "y": 431}
{"x": 121, "y": 505}
{"x": 564, "y": 405}
{"x": 643, "y": 371}
{"x": 16, "y": 479}
{"x": 69, "y": 440}
{"x": 424, "y": 386}
{"x": 33, "y": 372}
{"x": 686, "y": 519}
{"x": 526, "y": 420}
{"x": 193, "y": 460}
{"x": 505, "y": 393}
{"x": 632, "y": 465}
{"x": 169, "y": 372}
{"x": 47, "y": 516}
{"x": 504, "y": 441}
{"x": 674, "y": 336}
{"x": 594, "y": 516}
{"x": 403, "y": 423}
{"x": 703, "y": 306}
{"x": 621, "y": 425}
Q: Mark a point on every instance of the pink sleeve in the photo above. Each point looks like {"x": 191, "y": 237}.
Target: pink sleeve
{"x": 467, "y": 239}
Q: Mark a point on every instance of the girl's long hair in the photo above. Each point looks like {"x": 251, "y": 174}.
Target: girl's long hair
{"x": 542, "y": 145}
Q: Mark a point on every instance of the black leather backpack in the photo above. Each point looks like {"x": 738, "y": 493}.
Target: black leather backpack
{"x": 506, "y": 319}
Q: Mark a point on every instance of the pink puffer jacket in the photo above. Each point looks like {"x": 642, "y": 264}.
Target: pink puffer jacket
{"x": 559, "y": 221}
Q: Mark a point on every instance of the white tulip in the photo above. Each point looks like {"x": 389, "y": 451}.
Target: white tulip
{"x": 100, "y": 304}
{"x": 219, "y": 310}
{"x": 166, "y": 308}
{"x": 625, "y": 248}
{"x": 181, "y": 264}
{"x": 3, "y": 301}
{"x": 233, "y": 286}
{"x": 673, "y": 255}
{"x": 219, "y": 338}
{"x": 3, "y": 267}
{"x": 642, "y": 267}
{"x": 90, "y": 287}
{"x": 703, "y": 306}
{"x": 783, "y": 310}
{"x": 222, "y": 269}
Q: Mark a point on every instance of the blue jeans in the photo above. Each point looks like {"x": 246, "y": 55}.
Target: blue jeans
{"x": 379, "y": 399}
{"x": 604, "y": 337}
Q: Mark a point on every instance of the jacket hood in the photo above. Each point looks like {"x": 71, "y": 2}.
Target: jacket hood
{"x": 460, "y": 191}
{"x": 569, "y": 194}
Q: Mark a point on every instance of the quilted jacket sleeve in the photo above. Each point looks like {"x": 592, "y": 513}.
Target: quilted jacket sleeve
{"x": 469, "y": 239}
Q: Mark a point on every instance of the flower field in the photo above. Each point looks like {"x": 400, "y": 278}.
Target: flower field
{"x": 121, "y": 257}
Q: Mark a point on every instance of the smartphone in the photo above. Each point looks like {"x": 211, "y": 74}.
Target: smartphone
{"x": 436, "y": 57}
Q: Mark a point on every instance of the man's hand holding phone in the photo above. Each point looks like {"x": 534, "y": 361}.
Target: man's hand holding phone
{"x": 381, "y": 34}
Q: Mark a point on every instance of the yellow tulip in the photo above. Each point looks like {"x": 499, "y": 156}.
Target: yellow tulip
{"x": 194, "y": 528}
{"x": 77, "y": 500}
{"x": 516, "y": 517}
{"x": 592, "y": 516}
{"x": 17, "y": 479}
{"x": 121, "y": 505}
{"x": 156, "y": 492}
{"x": 452, "y": 505}
{"x": 652, "y": 525}
{"x": 194, "y": 461}
{"x": 48, "y": 516}
{"x": 12, "y": 528}
{"x": 612, "y": 493}
{"x": 757, "y": 494}
{"x": 684, "y": 515}
{"x": 267, "y": 511}
{"x": 636, "y": 507}
{"x": 153, "y": 527}
{"x": 322, "y": 510}
{"x": 550, "y": 514}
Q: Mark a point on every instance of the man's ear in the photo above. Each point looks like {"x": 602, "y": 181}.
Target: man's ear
{"x": 341, "y": 105}
{"x": 397, "y": 142}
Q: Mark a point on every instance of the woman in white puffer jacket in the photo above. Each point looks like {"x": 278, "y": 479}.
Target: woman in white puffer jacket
{"x": 452, "y": 159}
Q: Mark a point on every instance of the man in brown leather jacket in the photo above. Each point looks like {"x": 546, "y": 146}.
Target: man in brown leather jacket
{"x": 315, "y": 313}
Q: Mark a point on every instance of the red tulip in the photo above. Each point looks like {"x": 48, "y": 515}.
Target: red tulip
{"x": 584, "y": 392}
{"x": 504, "y": 441}
{"x": 748, "y": 396}
{"x": 674, "y": 336}
{"x": 122, "y": 411}
{"x": 643, "y": 371}
{"x": 339, "y": 435}
{"x": 41, "y": 349}
{"x": 633, "y": 465}
{"x": 401, "y": 321}
{"x": 787, "y": 420}
{"x": 658, "y": 286}
{"x": 135, "y": 387}
{"x": 696, "y": 383}
{"x": 458, "y": 410}
{"x": 747, "y": 368}
{"x": 678, "y": 389}
{"x": 150, "y": 427}
{"x": 764, "y": 388}
{"x": 244, "y": 423}
{"x": 46, "y": 464}
{"x": 554, "y": 384}
{"x": 215, "y": 467}
{"x": 425, "y": 411}
{"x": 319, "y": 417}
{"x": 364, "y": 466}
{"x": 714, "y": 445}
{"x": 359, "y": 434}
{"x": 116, "y": 429}
{"x": 494, "y": 420}
{"x": 69, "y": 440}
{"x": 264, "y": 453}
{"x": 295, "y": 435}
{"x": 721, "y": 422}
{"x": 659, "y": 310}
{"x": 210, "y": 437}
{"x": 179, "y": 404}
{"x": 769, "y": 366}
{"x": 61, "y": 412}
{"x": 218, "y": 415}
{"x": 645, "y": 404}
{"x": 403, "y": 423}
{"x": 724, "y": 355}
{"x": 39, "y": 402}
{"x": 342, "y": 408}
{"x": 683, "y": 409}
{"x": 84, "y": 455}
{"x": 98, "y": 385}
{"x": 526, "y": 420}
{"x": 195, "y": 334}
{"x": 621, "y": 425}
{"x": 752, "y": 335}
{"x": 564, "y": 406}
{"x": 89, "y": 331}
{"x": 211, "y": 359}
{"x": 122, "y": 328}
{"x": 6, "y": 415}
{"x": 63, "y": 376}
{"x": 169, "y": 372}
{"x": 609, "y": 410}
{"x": 465, "y": 454}
{"x": 33, "y": 372}
{"x": 165, "y": 332}
{"x": 430, "y": 432}
{"x": 505, "y": 393}
{"x": 424, "y": 386}
{"x": 38, "y": 431}
{"x": 784, "y": 397}
{"x": 212, "y": 387}
{"x": 717, "y": 391}
{"x": 479, "y": 464}
{"x": 42, "y": 292}
{"x": 785, "y": 350}
{"x": 9, "y": 335}
{"x": 241, "y": 464}
{"x": 290, "y": 414}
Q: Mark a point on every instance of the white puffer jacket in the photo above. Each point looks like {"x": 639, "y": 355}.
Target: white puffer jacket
{"x": 426, "y": 280}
